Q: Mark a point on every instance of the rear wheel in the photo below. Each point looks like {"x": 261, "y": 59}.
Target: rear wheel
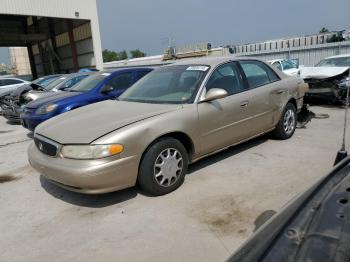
{"x": 286, "y": 126}
{"x": 163, "y": 167}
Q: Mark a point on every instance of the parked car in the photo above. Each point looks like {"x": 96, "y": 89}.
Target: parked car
{"x": 327, "y": 78}
{"x": 38, "y": 84}
{"x": 12, "y": 92}
{"x": 97, "y": 87}
{"x": 9, "y": 84}
{"x": 63, "y": 83}
{"x": 172, "y": 117}
{"x": 13, "y": 104}
{"x": 287, "y": 66}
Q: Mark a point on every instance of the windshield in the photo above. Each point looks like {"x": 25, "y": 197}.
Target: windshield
{"x": 55, "y": 83}
{"x": 337, "y": 61}
{"x": 89, "y": 82}
{"x": 45, "y": 81}
{"x": 171, "y": 84}
{"x": 288, "y": 64}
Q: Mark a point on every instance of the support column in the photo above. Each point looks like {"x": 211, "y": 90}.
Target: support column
{"x": 52, "y": 34}
{"x": 32, "y": 62}
{"x": 72, "y": 45}
{"x": 41, "y": 50}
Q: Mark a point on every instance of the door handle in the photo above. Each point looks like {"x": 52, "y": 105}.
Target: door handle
{"x": 244, "y": 104}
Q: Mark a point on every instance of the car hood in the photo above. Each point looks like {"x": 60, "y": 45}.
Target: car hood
{"x": 34, "y": 95}
{"x": 321, "y": 72}
{"x": 19, "y": 90}
{"x": 51, "y": 97}
{"x": 86, "y": 124}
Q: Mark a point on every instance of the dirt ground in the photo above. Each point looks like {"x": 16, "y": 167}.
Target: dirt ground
{"x": 206, "y": 219}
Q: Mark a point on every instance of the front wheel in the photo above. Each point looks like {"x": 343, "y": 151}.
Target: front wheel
{"x": 286, "y": 125}
{"x": 163, "y": 167}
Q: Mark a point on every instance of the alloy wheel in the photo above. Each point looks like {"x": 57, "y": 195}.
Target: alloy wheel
{"x": 168, "y": 167}
{"x": 289, "y": 121}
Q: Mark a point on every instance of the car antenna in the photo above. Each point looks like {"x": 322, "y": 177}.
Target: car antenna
{"x": 342, "y": 153}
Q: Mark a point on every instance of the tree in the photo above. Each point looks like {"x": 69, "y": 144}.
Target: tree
{"x": 137, "y": 53}
{"x": 122, "y": 55}
{"x": 338, "y": 37}
{"x": 109, "y": 55}
{"x": 324, "y": 30}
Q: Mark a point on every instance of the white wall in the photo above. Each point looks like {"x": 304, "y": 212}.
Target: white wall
{"x": 60, "y": 9}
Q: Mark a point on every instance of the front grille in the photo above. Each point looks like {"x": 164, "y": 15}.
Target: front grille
{"x": 46, "y": 146}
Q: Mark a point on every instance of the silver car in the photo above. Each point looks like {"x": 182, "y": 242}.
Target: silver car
{"x": 169, "y": 119}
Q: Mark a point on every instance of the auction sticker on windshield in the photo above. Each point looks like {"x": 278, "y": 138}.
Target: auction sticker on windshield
{"x": 198, "y": 68}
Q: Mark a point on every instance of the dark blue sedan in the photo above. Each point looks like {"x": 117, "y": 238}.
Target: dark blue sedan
{"x": 94, "y": 88}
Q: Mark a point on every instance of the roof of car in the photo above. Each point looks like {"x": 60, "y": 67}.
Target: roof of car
{"x": 124, "y": 68}
{"x": 10, "y": 77}
{"x": 336, "y": 56}
{"x": 212, "y": 61}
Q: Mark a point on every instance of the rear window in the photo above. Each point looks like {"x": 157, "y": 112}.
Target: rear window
{"x": 258, "y": 74}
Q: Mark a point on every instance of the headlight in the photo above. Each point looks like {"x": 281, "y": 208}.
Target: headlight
{"x": 45, "y": 109}
{"x": 90, "y": 151}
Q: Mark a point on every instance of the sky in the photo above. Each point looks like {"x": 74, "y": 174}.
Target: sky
{"x": 143, "y": 24}
{"x": 131, "y": 24}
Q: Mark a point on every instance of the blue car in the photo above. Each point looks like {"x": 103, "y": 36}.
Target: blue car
{"x": 94, "y": 88}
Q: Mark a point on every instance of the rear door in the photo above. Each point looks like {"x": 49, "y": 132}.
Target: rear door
{"x": 266, "y": 94}
{"x": 224, "y": 122}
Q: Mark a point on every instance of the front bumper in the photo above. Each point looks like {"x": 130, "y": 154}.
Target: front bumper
{"x": 31, "y": 121}
{"x": 10, "y": 112}
{"x": 11, "y": 115}
{"x": 86, "y": 176}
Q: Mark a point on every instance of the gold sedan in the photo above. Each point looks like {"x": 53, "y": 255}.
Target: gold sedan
{"x": 172, "y": 117}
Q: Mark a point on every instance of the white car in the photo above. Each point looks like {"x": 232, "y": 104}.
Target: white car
{"x": 328, "y": 79}
{"x": 287, "y": 66}
{"x": 9, "y": 83}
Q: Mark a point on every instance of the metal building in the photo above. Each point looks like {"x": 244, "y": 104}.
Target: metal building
{"x": 61, "y": 36}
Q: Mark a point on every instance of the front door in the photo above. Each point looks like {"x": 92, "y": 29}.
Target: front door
{"x": 224, "y": 122}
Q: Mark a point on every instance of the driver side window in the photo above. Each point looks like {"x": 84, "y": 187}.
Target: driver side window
{"x": 226, "y": 77}
{"x": 120, "y": 82}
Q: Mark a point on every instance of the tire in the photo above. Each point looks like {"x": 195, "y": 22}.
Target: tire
{"x": 287, "y": 124}
{"x": 160, "y": 172}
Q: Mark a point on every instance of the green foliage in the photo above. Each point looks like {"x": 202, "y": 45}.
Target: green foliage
{"x": 335, "y": 38}
{"x": 123, "y": 55}
{"x": 324, "y": 30}
{"x": 109, "y": 55}
{"x": 137, "y": 53}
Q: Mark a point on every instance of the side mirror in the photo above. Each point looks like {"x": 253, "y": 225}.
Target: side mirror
{"x": 62, "y": 88}
{"x": 213, "y": 94}
{"x": 106, "y": 89}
